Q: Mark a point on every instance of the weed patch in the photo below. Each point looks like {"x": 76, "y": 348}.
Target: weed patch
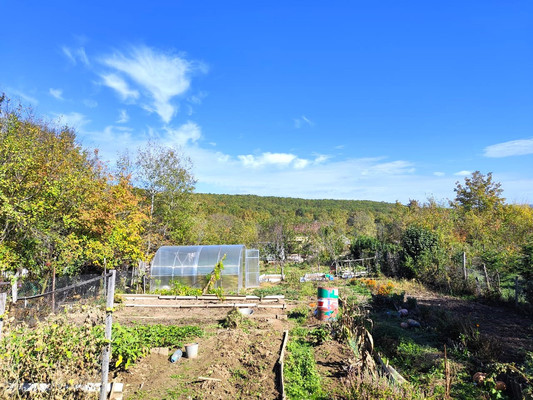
{"x": 302, "y": 380}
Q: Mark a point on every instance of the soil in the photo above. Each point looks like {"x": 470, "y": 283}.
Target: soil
{"x": 244, "y": 360}
{"x": 509, "y": 330}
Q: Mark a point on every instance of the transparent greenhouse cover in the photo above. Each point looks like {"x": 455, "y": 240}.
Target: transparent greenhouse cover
{"x": 190, "y": 264}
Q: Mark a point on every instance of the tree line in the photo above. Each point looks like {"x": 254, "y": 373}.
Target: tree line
{"x": 63, "y": 208}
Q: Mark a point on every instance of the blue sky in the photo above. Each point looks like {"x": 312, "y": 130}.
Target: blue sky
{"x": 377, "y": 100}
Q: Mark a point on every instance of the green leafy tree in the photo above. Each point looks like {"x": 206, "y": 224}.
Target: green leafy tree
{"x": 479, "y": 193}
{"x": 167, "y": 180}
{"x": 59, "y": 207}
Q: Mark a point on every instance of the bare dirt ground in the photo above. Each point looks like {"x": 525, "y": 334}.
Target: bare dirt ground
{"x": 506, "y": 326}
{"x": 244, "y": 359}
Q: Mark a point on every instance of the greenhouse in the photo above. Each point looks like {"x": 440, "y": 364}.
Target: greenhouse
{"x": 190, "y": 265}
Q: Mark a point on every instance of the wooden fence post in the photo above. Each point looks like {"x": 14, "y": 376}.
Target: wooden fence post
{"x": 54, "y": 289}
{"x": 106, "y": 354}
{"x": 516, "y": 290}
{"x": 486, "y": 276}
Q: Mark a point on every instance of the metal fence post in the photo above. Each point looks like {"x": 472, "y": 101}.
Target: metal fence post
{"x": 14, "y": 290}
{"x": 3, "y": 301}
{"x": 106, "y": 354}
{"x": 464, "y": 266}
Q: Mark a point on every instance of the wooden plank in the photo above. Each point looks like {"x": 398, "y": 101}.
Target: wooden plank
{"x": 222, "y": 305}
{"x": 281, "y": 363}
{"x": 205, "y": 378}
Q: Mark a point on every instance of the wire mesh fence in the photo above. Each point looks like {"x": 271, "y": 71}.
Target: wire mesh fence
{"x": 53, "y": 340}
{"x": 36, "y": 300}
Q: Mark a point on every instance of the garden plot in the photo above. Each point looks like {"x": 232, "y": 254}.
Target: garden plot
{"x": 239, "y": 362}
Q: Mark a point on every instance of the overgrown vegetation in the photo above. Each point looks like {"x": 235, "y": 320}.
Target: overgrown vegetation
{"x": 302, "y": 380}
{"x": 61, "y": 352}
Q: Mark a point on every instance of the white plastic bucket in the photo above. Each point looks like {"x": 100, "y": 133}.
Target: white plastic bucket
{"x": 191, "y": 350}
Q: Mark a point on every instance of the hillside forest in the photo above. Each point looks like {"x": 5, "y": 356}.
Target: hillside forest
{"x": 63, "y": 208}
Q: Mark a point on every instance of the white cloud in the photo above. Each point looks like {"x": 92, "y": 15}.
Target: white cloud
{"x": 463, "y": 173}
{"x": 321, "y": 158}
{"x": 90, "y": 103}
{"x": 189, "y": 132}
{"x": 75, "y": 55}
{"x": 160, "y": 76}
{"x": 197, "y": 98}
{"x": 287, "y": 174}
{"x": 14, "y": 93}
{"x": 300, "y": 163}
{"x": 438, "y": 173}
{"x": 57, "y": 93}
{"x": 73, "y": 120}
{"x": 123, "y": 117}
{"x": 118, "y": 84}
{"x": 511, "y": 148}
{"x": 303, "y": 120}
{"x": 344, "y": 179}
{"x": 272, "y": 159}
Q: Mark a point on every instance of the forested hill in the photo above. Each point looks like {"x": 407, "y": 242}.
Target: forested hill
{"x": 307, "y": 210}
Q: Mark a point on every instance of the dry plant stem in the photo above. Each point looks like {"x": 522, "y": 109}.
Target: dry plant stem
{"x": 447, "y": 372}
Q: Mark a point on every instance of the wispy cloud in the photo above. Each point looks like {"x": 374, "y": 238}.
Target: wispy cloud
{"x": 120, "y": 86}
{"x": 90, "y": 103}
{"x": 56, "y": 93}
{"x": 160, "y": 76}
{"x": 76, "y": 55}
{"x": 73, "y": 120}
{"x": 189, "y": 132}
{"x": 14, "y": 93}
{"x": 280, "y": 175}
{"x": 288, "y": 174}
{"x": 302, "y": 121}
{"x": 463, "y": 173}
{"x": 438, "y": 173}
{"x": 511, "y": 148}
{"x": 321, "y": 158}
{"x": 197, "y": 98}
{"x": 272, "y": 159}
{"x": 123, "y": 117}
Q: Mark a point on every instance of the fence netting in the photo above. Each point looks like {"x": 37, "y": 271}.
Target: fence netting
{"x": 52, "y": 338}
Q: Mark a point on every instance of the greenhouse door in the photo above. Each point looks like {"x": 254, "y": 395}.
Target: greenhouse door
{"x": 251, "y": 268}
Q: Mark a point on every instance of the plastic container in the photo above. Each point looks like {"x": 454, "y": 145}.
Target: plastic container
{"x": 246, "y": 311}
{"x": 191, "y": 349}
{"x": 176, "y": 356}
